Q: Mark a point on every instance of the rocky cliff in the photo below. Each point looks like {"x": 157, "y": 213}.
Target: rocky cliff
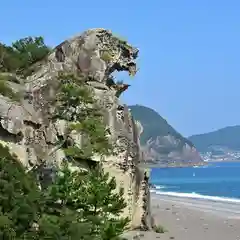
{"x": 160, "y": 142}
{"x": 29, "y": 131}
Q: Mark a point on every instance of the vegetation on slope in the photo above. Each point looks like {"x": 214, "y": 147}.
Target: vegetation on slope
{"x": 6, "y": 90}
{"x": 18, "y": 59}
{"x": 154, "y": 125}
{"x": 19, "y": 198}
{"x": 76, "y": 205}
{"x": 22, "y": 54}
{"x": 225, "y": 137}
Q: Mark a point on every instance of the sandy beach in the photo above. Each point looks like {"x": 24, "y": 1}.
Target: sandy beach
{"x": 193, "y": 219}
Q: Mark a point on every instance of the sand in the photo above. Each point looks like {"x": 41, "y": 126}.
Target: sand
{"x": 191, "y": 219}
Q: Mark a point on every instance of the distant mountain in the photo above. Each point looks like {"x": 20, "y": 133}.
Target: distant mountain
{"x": 160, "y": 142}
{"x": 223, "y": 139}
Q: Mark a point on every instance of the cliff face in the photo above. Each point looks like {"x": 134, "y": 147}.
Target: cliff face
{"x": 156, "y": 151}
{"x": 27, "y": 128}
{"x": 160, "y": 142}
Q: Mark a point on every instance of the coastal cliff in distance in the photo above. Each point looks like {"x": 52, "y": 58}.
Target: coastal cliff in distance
{"x": 160, "y": 142}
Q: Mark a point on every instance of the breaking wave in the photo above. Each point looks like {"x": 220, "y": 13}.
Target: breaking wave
{"x": 159, "y": 187}
{"x": 194, "y": 195}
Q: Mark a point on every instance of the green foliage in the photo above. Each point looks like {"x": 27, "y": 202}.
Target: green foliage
{"x": 10, "y": 77}
{"x": 65, "y": 226}
{"x": 72, "y": 95}
{"x": 9, "y": 60}
{"x": 106, "y": 56}
{"x": 75, "y": 103}
{"x": 22, "y": 54}
{"x": 120, "y": 39}
{"x": 19, "y": 198}
{"x": 80, "y": 201}
{"x": 159, "y": 229}
{"x": 6, "y": 90}
{"x": 95, "y": 131}
{"x": 78, "y": 205}
{"x": 92, "y": 194}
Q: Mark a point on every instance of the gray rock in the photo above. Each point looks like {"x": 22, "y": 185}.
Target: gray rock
{"x": 30, "y": 133}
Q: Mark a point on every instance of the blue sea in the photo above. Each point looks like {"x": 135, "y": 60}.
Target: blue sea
{"x": 217, "y": 182}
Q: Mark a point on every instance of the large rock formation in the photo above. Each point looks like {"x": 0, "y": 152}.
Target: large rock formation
{"x": 28, "y": 130}
{"x": 155, "y": 152}
{"x": 160, "y": 142}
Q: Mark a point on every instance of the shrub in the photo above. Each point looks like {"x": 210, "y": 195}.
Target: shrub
{"x": 159, "y": 229}
{"x": 80, "y": 201}
{"x": 20, "y": 198}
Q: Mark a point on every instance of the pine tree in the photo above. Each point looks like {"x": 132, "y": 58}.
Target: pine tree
{"x": 85, "y": 203}
{"x": 78, "y": 205}
{"x": 92, "y": 195}
{"x": 75, "y": 104}
{"x": 22, "y": 54}
{"x": 102, "y": 204}
{"x": 20, "y": 199}
{"x": 61, "y": 220}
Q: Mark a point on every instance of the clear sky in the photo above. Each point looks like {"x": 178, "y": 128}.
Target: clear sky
{"x": 189, "y": 50}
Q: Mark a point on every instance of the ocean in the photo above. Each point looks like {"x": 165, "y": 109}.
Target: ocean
{"x": 216, "y": 182}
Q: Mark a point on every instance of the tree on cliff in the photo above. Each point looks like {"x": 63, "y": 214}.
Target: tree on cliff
{"x": 19, "y": 198}
{"x": 83, "y": 205}
{"x": 88, "y": 198}
{"x": 78, "y": 205}
{"x": 22, "y": 54}
{"x": 75, "y": 104}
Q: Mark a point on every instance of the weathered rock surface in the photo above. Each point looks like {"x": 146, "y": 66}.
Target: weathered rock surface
{"x": 28, "y": 130}
{"x": 155, "y": 151}
{"x": 160, "y": 142}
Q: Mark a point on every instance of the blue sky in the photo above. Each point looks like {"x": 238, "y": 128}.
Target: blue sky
{"x": 189, "y": 50}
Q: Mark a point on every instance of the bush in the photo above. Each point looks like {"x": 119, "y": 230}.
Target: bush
{"x": 88, "y": 121}
{"x": 20, "y": 198}
{"x": 159, "y": 229}
{"x": 78, "y": 205}
{"x": 6, "y": 91}
{"x": 80, "y": 201}
{"x": 22, "y": 54}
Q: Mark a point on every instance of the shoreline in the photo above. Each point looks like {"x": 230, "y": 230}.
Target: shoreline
{"x": 174, "y": 165}
{"x": 222, "y": 161}
{"x": 185, "y": 165}
{"x": 191, "y": 216}
{"x": 196, "y": 219}
{"x": 193, "y": 196}
{"x": 191, "y": 219}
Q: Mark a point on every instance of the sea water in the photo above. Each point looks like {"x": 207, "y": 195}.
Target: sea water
{"x": 216, "y": 181}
